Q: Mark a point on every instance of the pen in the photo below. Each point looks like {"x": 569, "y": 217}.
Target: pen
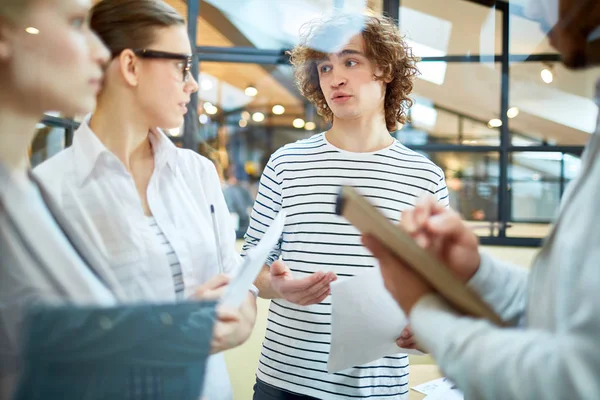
{"x": 216, "y": 233}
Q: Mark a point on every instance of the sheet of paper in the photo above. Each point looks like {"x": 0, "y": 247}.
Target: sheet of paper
{"x": 253, "y": 262}
{"x": 446, "y": 393}
{"x": 366, "y": 321}
{"x": 432, "y": 386}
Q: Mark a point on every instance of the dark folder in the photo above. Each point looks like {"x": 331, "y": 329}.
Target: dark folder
{"x": 127, "y": 352}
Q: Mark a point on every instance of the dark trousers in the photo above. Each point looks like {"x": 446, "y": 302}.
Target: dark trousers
{"x": 264, "y": 391}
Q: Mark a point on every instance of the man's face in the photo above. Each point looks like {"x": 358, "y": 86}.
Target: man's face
{"x": 348, "y": 84}
{"x": 577, "y": 19}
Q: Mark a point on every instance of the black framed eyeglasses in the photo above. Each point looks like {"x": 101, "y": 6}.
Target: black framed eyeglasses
{"x": 165, "y": 55}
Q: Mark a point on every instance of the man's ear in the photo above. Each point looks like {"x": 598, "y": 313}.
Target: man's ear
{"x": 379, "y": 73}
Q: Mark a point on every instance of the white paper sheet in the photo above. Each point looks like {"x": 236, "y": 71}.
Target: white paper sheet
{"x": 445, "y": 393}
{"x": 253, "y": 262}
{"x": 366, "y": 321}
{"x": 432, "y": 386}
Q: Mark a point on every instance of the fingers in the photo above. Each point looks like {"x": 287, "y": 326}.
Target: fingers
{"x": 315, "y": 297}
{"x": 210, "y": 294}
{"x": 278, "y": 268}
{"x": 226, "y": 314}
{"x": 309, "y": 294}
{"x": 448, "y": 223}
{"x": 407, "y": 339}
{"x": 406, "y": 343}
{"x": 310, "y": 284}
{"x": 213, "y": 288}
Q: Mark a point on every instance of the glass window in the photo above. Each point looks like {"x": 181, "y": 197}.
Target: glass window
{"x": 526, "y": 35}
{"x": 251, "y": 23}
{"x": 247, "y": 111}
{"x": 472, "y": 180}
{"x": 457, "y": 111}
{"x": 552, "y": 104}
{"x": 458, "y": 28}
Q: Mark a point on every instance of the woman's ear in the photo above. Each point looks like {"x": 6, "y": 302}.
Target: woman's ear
{"x": 129, "y": 67}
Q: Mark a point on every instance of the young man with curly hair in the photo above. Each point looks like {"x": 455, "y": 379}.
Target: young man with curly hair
{"x": 362, "y": 88}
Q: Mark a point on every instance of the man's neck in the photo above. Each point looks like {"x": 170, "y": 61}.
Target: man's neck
{"x": 360, "y": 135}
{"x": 121, "y": 130}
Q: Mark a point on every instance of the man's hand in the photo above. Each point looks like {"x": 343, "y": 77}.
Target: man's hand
{"x": 233, "y": 327}
{"x": 407, "y": 340}
{"x": 312, "y": 289}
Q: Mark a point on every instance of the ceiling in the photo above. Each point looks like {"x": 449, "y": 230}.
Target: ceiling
{"x": 561, "y": 112}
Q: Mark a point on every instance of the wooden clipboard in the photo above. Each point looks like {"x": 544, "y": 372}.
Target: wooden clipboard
{"x": 367, "y": 219}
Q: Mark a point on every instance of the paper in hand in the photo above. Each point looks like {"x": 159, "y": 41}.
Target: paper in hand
{"x": 366, "y": 321}
{"x": 253, "y": 263}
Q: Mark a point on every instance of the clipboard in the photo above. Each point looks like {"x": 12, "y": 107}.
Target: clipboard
{"x": 368, "y": 220}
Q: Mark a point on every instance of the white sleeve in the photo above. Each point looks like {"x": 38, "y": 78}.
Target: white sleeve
{"x": 488, "y": 362}
{"x": 503, "y": 286}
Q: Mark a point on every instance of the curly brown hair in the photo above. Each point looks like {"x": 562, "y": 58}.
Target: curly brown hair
{"x": 385, "y": 46}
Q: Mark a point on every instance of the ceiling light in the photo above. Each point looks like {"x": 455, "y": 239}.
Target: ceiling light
{"x": 243, "y": 123}
{"x": 212, "y": 110}
{"x": 245, "y": 115}
{"x": 298, "y": 123}
{"x": 512, "y": 112}
{"x": 495, "y": 123}
{"x": 258, "y": 117}
{"x": 203, "y": 118}
{"x": 278, "y": 109}
{"x": 32, "y": 31}
{"x": 251, "y": 91}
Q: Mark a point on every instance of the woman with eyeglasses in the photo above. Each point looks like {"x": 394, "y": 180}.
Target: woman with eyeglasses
{"x": 158, "y": 210}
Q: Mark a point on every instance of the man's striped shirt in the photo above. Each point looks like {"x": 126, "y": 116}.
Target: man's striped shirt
{"x": 303, "y": 178}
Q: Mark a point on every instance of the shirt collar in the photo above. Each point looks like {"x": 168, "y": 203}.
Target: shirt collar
{"x": 165, "y": 152}
{"x": 88, "y": 150}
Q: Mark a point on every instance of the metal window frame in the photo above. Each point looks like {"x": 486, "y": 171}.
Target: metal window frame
{"x": 392, "y": 9}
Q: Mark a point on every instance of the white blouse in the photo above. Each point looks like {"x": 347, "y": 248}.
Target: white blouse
{"x": 90, "y": 182}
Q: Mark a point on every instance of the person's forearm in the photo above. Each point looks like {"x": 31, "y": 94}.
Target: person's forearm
{"x": 263, "y": 283}
{"x": 487, "y": 362}
{"x": 503, "y": 286}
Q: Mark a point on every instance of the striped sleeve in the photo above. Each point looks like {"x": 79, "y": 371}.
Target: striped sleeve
{"x": 266, "y": 206}
{"x": 441, "y": 191}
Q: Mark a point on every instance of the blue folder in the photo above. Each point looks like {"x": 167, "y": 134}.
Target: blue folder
{"x": 141, "y": 352}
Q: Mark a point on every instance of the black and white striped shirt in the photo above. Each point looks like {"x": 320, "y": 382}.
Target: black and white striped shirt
{"x": 303, "y": 178}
